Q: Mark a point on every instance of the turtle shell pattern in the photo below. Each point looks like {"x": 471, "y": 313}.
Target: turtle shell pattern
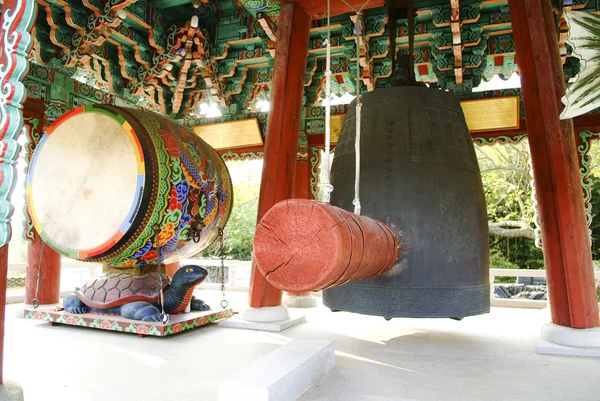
{"x": 116, "y": 289}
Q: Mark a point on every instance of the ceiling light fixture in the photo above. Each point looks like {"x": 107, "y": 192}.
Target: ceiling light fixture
{"x": 210, "y": 110}
{"x": 263, "y": 106}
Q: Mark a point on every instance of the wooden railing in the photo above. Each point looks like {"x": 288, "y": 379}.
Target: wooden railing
{"x": 239, "y": 274}
{"x": 519, "y": 303}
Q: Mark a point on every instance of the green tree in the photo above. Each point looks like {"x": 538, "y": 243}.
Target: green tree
{"x": 594, "y": 166}
{"x": 506, "y": 179}
{"x": 506, "y": 176}
{"x": 239, "y": 232}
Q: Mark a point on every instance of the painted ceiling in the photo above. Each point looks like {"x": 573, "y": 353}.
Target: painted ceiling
{"x": 171, "y": 55}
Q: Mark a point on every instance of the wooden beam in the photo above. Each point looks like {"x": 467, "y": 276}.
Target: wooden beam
{"x": 239, "y": 151}
{"x": 566, "y": 242}
{"x": 318, "y": 8}
{"x": 587, "y": 122}
{"x": 283, "y": 127}
{"x": 456, "y": 40}
{"x": 163, "y": 4}
{"x": 364, "y": 54}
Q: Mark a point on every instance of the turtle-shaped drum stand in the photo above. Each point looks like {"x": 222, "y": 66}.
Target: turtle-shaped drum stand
{"x": 136, "y": 297}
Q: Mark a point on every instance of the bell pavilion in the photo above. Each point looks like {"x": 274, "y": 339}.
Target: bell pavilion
{"x": 285, "y": 82}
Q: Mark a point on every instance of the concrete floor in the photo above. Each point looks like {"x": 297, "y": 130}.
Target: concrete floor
{"x": 483, "y": 358}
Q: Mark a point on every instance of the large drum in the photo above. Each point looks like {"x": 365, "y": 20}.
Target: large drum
{"x": 104, "y": 178}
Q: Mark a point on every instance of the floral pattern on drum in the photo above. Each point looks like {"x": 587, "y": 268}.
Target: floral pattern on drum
{"x": 185, "y": 192}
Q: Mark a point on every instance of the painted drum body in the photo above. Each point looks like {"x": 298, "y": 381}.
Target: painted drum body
{"x": 103, "y": 178}
{"x": 420, "y": 177}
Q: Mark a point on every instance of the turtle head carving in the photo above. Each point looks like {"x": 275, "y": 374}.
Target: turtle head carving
{"x": 190, "y": 275}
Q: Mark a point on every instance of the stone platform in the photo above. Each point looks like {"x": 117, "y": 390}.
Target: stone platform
{"x": 177, "y": 323}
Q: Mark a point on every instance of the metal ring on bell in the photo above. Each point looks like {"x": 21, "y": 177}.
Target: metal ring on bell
{"x": 35, "y": 302}
{"x": 224, "y": 304}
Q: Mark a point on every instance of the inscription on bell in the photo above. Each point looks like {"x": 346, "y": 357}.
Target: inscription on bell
{"x": 438, "y": 136}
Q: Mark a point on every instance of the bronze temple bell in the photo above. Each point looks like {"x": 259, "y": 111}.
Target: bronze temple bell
{"x": 420, "y": 181}
{"x": 420, "y": 177}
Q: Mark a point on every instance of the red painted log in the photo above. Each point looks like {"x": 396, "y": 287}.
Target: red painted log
{"x": 3, "y": 276}
{"x": 283, "y": 126}
{"x": 566, "y": 246}
{"x": 50, "y": 284}
{"x": 303, "y": 245}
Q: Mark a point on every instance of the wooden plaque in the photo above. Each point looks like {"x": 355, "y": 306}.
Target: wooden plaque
{"x": 492, "y": 114}
{"x": 231, "y": 134}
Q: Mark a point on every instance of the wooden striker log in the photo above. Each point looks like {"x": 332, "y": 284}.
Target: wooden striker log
{"x": 304, "y": 245}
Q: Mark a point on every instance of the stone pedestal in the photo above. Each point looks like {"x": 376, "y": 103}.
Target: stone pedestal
{"x": 561, "y": 340}
{"x": 266, "y": 314}
{"x": 299, "y": 300}
{"x": 274, "y": 318}
{"x": 11, "y": 391}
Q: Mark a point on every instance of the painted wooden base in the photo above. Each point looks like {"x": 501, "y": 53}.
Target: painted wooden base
{"x": 283, "y": 375}
{"x": 177, "y": 323}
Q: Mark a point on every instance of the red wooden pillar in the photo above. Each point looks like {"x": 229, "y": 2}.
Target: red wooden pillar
{"x": 301, "y": 181}
{"x": 50, "y": 284}
{"x": 281, "y": 141}
{"x": 34, "y": 110}
{"x": 3, "y": 276}
{"x": 567, "y": 253}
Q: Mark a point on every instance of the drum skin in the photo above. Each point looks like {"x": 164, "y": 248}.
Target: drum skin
{"x": 420, "y": 177}
{"x": 170, "y": 180}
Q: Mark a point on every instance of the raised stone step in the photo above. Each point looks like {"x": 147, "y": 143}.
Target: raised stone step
{"x": 282, "y": 375}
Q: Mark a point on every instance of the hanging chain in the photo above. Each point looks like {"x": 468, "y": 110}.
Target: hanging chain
{"x": 35, "y": 301}
{"x": 164, "y": 317}
{"x": 224, "y": 302}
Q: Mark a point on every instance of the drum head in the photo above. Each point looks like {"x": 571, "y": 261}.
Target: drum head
{"x": 85, "y": 182}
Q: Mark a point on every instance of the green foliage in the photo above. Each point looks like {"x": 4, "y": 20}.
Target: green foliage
{"x": 239, "y": 232}
{"x": 506, "y": 177}
{"x": 595, "y": 226}
{"x": 499, "y": 261}
{"x": 521, "y": 252}
{"x": 506, "y": 180}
